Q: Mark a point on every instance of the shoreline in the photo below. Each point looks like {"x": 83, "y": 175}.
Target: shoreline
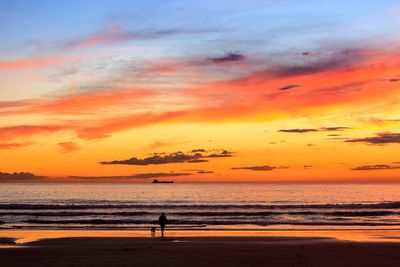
{"x": 214, "y": 248}
{"x": 26, "y": 236}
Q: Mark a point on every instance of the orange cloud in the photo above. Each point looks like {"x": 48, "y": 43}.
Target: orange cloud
{"x": 80, "y": 103}
{"x": 13, "y": 145}
{"x": 350, "y": 79}
{"x": 13, "y": 132}
{"x": 323, "y": 84}
{"x": 88, "y": 129}
{"x": 91, "y": 101}
{"x": 68, "y": 146}
{"x": 104, "y": 127}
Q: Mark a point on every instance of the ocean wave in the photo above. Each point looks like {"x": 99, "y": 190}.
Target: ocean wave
{"x": 74, "y": 214}
{"x": 203, "y": 213}
{"x": 339, "y": 206}
{"x": 206, "y": 222}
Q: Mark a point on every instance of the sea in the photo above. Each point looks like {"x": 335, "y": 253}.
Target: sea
{"x": 200, "y": 206}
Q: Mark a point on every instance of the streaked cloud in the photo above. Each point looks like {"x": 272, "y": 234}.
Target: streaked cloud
{"x": 288, "y": 87}
{"x": 379, "y": 139}
{"x": 375, "y": 167}
{"x": 393, "y": 80}
{"x": 36, "y": 62}
{"x": 204, "y": 172}
{"x": 115, "y": 33}
{"x": 13, "y": 132}
{"x": 256, "y": 168}
{"x": 77, "y": 103}
{"x": 331, "y": 62}
{"x": 298, "y": 130}
{"x": 14, "y": 145}
{"x": 199, "y": 171}
{"x": 311, "y": 130}
{"x": 134, "y": 176}
{"x": 230, "y": 57}
{"x": 333, "y": 129}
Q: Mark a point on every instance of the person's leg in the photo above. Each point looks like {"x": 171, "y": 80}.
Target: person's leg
{"x": 162, "y": 230}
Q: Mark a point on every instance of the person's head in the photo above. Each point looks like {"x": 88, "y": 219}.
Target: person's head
{"x": 162, "y": 214}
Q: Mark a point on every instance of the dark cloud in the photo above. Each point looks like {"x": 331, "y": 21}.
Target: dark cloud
{"x": 310, "y": 68}
{"x": 375, "y": 167}
{"x": 288, "y": 87}
{"x": 176, "y": 157}
{"x": 228, "y": 58}
{"x": 223, "y": 154}
{"x": 197, "y": 160}
{"x": 204, "y": 172}
{"x": 274, "y": 143}
{"x": 331, "y": 61}
{"x": 393, "y": 80}
{"x": 19, "y": 177}
{"x": 134, "y": 176}
{"x": 199, "y": 171}
{"x": 199, "y": 150}
{"x": 309, "y": 130}
{"x": 298, "y": 130}
{"x": 332, "y": 129}
{"x": 256, "y": 168}
{"x": 379, "y": 139}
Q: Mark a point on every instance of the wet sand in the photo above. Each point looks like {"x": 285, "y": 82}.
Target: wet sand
{"x": 241, "y": 248}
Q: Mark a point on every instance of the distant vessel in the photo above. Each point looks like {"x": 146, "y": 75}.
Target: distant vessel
{"x": 155, "y": 181}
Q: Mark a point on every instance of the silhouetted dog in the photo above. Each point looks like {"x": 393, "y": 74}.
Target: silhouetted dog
{"x": 153, "y": 231}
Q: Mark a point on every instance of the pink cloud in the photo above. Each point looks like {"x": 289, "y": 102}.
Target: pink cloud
{"x": 38, "y": 62}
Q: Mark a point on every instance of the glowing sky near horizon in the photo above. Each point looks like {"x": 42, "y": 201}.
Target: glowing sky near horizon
{"x": 281, "y": 91}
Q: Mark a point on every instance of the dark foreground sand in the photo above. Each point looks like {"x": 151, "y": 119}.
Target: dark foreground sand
{"x": 200, "y": 251}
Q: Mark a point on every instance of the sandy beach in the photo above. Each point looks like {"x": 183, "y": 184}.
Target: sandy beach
{"x": 218, "y": 248}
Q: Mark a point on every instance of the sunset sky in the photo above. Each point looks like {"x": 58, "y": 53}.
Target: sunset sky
{"x": 199, "y": 91}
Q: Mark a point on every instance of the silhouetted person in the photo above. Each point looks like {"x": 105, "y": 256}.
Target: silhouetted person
{"x": 162, "y": 221}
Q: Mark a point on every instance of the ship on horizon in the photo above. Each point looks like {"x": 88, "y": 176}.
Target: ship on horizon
{"x": 155, "y": 181}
